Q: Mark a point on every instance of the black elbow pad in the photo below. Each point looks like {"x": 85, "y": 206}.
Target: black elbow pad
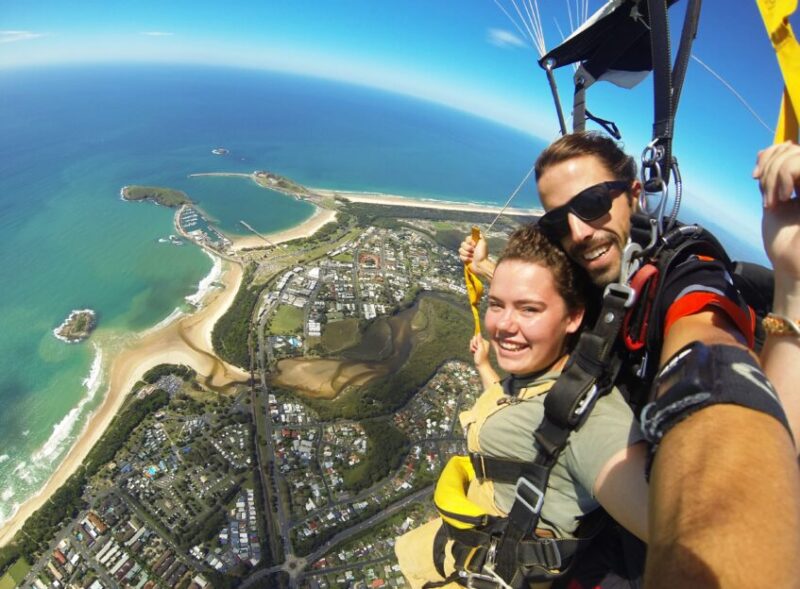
{"x": 699, "y": 376}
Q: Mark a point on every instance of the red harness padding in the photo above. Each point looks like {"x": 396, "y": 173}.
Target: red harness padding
{"x": 645, "y": 278}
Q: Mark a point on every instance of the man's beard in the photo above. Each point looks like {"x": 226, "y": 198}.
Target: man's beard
{"x": 608, "y": 272}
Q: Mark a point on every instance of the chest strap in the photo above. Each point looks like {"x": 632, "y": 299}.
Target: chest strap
{"x": 589, "y": 373}
{"x": 472, "y": 547}
{"x": 501, "y": 470}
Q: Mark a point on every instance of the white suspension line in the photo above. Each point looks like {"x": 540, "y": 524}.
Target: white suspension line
{"x": 538, "y": 15}
{"x": 558, "y": 28}
{"x": 572, "y": 25}
{"x": 734, "y": 92}
{"x": 524, "y": 23}
{"x": 531, "y": 26}
{"x": 532, "y": 10}
{"x": 510, "y": 198}
{"x": 514, "y": 22}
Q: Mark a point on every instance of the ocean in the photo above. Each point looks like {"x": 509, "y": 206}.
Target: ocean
{"x": 71, "y": 137}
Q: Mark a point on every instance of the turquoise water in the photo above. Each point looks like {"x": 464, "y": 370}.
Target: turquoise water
{"x": 70, "y": 138}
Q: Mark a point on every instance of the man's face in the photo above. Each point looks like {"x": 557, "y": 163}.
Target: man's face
{"x": 595, "y": 245}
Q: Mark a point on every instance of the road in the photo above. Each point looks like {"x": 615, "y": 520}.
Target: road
{"x": 297, "y": 574}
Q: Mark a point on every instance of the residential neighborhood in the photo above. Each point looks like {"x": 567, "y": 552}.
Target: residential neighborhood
{"x": 262, "y": 485}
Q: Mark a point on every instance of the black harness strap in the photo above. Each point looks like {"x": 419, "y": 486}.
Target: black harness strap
{"x": 501, "y": 470}
{"x": 667, "y": 82}
{"x": 590, "y": 373}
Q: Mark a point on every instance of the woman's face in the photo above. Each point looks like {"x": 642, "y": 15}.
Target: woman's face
{"x": 527, "y": 320}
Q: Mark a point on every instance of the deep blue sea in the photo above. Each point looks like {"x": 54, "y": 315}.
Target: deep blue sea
{"x": 71, "y": 137}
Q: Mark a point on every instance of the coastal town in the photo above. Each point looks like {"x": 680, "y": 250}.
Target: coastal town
{"x": 303, "y": 475}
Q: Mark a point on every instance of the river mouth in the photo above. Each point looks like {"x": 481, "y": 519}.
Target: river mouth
{"x": 383, "y": 349}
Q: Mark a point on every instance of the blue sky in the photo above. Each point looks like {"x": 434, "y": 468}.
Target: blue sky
{"x": 463, "y": 53}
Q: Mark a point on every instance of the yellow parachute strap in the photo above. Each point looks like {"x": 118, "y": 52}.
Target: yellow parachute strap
{"x": 450, "y": 495}
{"x": 474, "y": 287}
{"x": 776, "y": 19}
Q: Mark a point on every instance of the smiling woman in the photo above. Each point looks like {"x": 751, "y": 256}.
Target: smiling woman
{"x": 536, "y": 303}
{"x": 528, "y": 319}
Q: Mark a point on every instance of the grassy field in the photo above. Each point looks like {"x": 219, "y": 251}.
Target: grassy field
{"x": 202, "y": 396}
{"x": 286, "y": 320}
{"x": 340, "y": 335}
{"x": 346, "y": 257}
{"x": 15, "y": 574}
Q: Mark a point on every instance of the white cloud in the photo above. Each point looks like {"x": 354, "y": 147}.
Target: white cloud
{"x": 14, "y": 36}
{"x": 503, "y": 38}
{"x": 156, "y": 34}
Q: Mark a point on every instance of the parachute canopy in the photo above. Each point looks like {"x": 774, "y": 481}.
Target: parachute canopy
{"x": 614, "y": 45}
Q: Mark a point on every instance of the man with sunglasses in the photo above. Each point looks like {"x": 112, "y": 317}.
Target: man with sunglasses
{"x": 708, "y": 487}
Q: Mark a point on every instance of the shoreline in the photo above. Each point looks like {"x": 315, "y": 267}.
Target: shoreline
{"x": 380, "y": 198}
{"x": 186, "y": 338}
{"x": 305, "y": 229}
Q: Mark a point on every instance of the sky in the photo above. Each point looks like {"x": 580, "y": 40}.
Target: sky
{"x": 466, "y": 54}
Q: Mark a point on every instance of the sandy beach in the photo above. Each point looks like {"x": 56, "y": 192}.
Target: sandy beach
{"x": 407, "y": 201}
{"x": 306, "y": 229}
{"x": 187, "y": 340}
{"x": 184, "y": 341}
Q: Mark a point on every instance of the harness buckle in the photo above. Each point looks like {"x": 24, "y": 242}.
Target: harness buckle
{"x": 629, "y": 264}
{"x": 494, "y": 577}
{"x": 556, "y": 553}
{"x": 487, "y": 579}
{"x": 522, "y": 482}
{"x": 584, "y": 403}
{"x": 623, "y": 290}
{"x": 631, "y": 260}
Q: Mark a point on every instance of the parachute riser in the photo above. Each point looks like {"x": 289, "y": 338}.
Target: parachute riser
{"x": 551, "y": 80}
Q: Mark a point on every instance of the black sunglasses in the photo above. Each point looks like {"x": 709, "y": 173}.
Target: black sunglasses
{"x": 589, "y": 204}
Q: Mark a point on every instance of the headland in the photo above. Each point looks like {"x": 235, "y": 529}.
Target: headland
{"x": 167, "y": 197}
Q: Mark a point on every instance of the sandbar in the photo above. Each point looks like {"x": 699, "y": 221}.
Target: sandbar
{"x": 184, "y": 341}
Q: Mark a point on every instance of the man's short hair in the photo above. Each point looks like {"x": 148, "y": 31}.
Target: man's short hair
{"x": 603, "y": 147}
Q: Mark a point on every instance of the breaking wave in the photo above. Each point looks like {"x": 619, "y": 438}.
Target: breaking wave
{"x": 63, "y": 430}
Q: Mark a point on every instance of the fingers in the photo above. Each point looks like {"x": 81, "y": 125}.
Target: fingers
{"x": 466, "y": 250}
{"x": 778, "y": 173}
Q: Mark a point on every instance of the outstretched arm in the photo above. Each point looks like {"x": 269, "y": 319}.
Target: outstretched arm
{"x": 778, "y": 173}
{"x": 727, "y": 472}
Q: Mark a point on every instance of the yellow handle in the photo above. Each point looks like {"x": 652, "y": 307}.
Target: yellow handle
{"x": 474, "y": 287}
{"x": 775, "y": 14}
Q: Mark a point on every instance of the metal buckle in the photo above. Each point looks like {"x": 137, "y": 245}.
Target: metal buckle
{"x": 522, "y": 481}
{"x": 584, "y": 403}
{"x": 622, "y": 290}
{"x": 490, "y": 577}
{"x": 629, "y": 264}
{"x": 494, "y": 577}
{"x": 556, "y": 551}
